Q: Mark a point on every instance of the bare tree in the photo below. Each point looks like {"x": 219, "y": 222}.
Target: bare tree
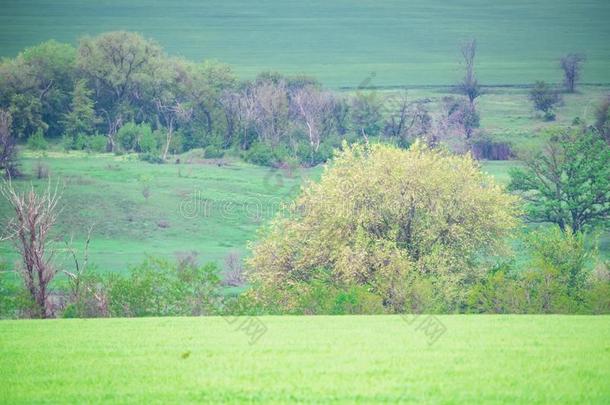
{"x": 268, "y": 103}
{"x": 572, "y": 66}
{"x": 90, "y": 299}
{"x": 312, "y": 106}
{"x": 233, "y": 274}
{"x": 409, "y": 120}
{"x": 35, "y": 215}
{"x": 170, "y": 112}
{"x": 469, "y": 85}
{"x": 8, "y": 149}
{"x": 461, "y": 115}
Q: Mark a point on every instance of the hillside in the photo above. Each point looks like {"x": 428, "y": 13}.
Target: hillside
{"x": 413, "y": 42}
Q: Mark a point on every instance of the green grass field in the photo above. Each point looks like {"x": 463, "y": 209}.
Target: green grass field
{"x": 191, "y": 207}
{"x": 342, "y": 42}
{"x": 347, "y": 359}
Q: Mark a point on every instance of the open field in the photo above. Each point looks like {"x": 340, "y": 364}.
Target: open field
{"x": 341, "y": 42}
{"x": 191, "y": 207}
{"x": 348, "y": 359}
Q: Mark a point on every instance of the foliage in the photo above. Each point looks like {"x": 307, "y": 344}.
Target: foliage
{"x": 366, "y": 114}
{"x": 568, "y": 182}
{"x": 380, "y": 214}
{"x": 602, "y": 118}
{"x": 37, "y": 141}
{"x": 545, "y": 98}
{"x": 160, "y": 288}
{"x": 35, "y": 87}
{"x": 81, "y": 119}
{"x": 131, "y": 135}
{"x": 264, "y": 155}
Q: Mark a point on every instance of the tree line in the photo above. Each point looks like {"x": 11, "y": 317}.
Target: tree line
{"x": 121, "y": 92}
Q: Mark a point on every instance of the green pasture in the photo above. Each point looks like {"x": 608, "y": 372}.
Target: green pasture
{"x": 342, "y": 42}
{"x": 318, "y": 359}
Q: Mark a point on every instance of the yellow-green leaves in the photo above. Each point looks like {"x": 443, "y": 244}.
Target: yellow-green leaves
{"x": 380, "y": 213}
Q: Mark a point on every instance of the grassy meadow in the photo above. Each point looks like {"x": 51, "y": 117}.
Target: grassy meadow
{"x": 342, "y": 42}
{"x": 321, "y": 359}
{"x": 214, "y": 207}
{"x": 198, "y": 206}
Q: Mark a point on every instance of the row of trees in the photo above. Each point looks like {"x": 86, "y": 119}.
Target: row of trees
{"x": 119, "y": 78}
{"x": 122, "y": 78}
{"x": 385, "y": 230}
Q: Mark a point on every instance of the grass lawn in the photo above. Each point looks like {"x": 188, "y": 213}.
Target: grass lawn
{"x": 347, "y": 359}
{"x": 404, "y": 42}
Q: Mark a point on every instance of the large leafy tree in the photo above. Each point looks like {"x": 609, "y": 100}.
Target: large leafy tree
{"x": 120, "y": 66}
{"x": 568, "y": 182}
{"x": 380, "y": 217}
{"x": 36, "y": 85}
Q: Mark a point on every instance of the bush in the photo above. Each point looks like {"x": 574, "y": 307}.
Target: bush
{"x": 159, "y": 288}
{"x": 151, "y": 158}
{"x": 264, "y": 155}
{"x": 149, "y": 142}
{"x": 37, "y": 141}
{"x": 213, "y": 152}
{"x": 97, "y": 143}
{"x": 545, "y": 98}
{"x": 130, "y": 135}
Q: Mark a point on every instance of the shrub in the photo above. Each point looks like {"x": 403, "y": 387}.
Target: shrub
{"x": 131, "y": 134}
{"x": 148, "y": 142}
{"x": 158, "y": 288}
{"x": 545, "y": 98}
{"x": 151, "y": 158}
{"x": 563, "y": 254}
{"x": 213, "y": 152}
{"x": 37, "y": 141}
{"x": 97, "y": 143}
{"x": 264, "y": 155}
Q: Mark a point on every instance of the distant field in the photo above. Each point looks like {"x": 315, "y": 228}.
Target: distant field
{"x": 404, "y": 42}
{"x": 321, "y": 359}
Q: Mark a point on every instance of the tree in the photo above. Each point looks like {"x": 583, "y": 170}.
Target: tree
{"x": 380, "y": 216}
{"x": 81, "y": 119}
{"x": 265, "y": 106}
{"x": 366, "y": 114}
{"x": 572, "y": 66}
{"x": 408, "y": 121}
{"x": 36, "y": 87}
{"x": 545, "y": 99}
{"x": 120, "y": 67}
{"x": 35, "y": 215}
{"x": 568, "y": 182}
{"x": 8, "y": 145}
{"x": 312, "y": 107}
{"x": 469, "y": 85}
{"x": 462, "y": 115}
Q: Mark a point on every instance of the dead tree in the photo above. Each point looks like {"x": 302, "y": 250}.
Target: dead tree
{"x": 312, "y": 107}
{"x": 571, "y": 64}
{"x": 35, "y": 215}
{"x": 408, "y": 120}
{"x": 469, "y": 85}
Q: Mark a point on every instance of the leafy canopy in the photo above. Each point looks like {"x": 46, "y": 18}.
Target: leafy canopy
{"x": 568, "y": 182}
{"x": 379, "y": 216}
